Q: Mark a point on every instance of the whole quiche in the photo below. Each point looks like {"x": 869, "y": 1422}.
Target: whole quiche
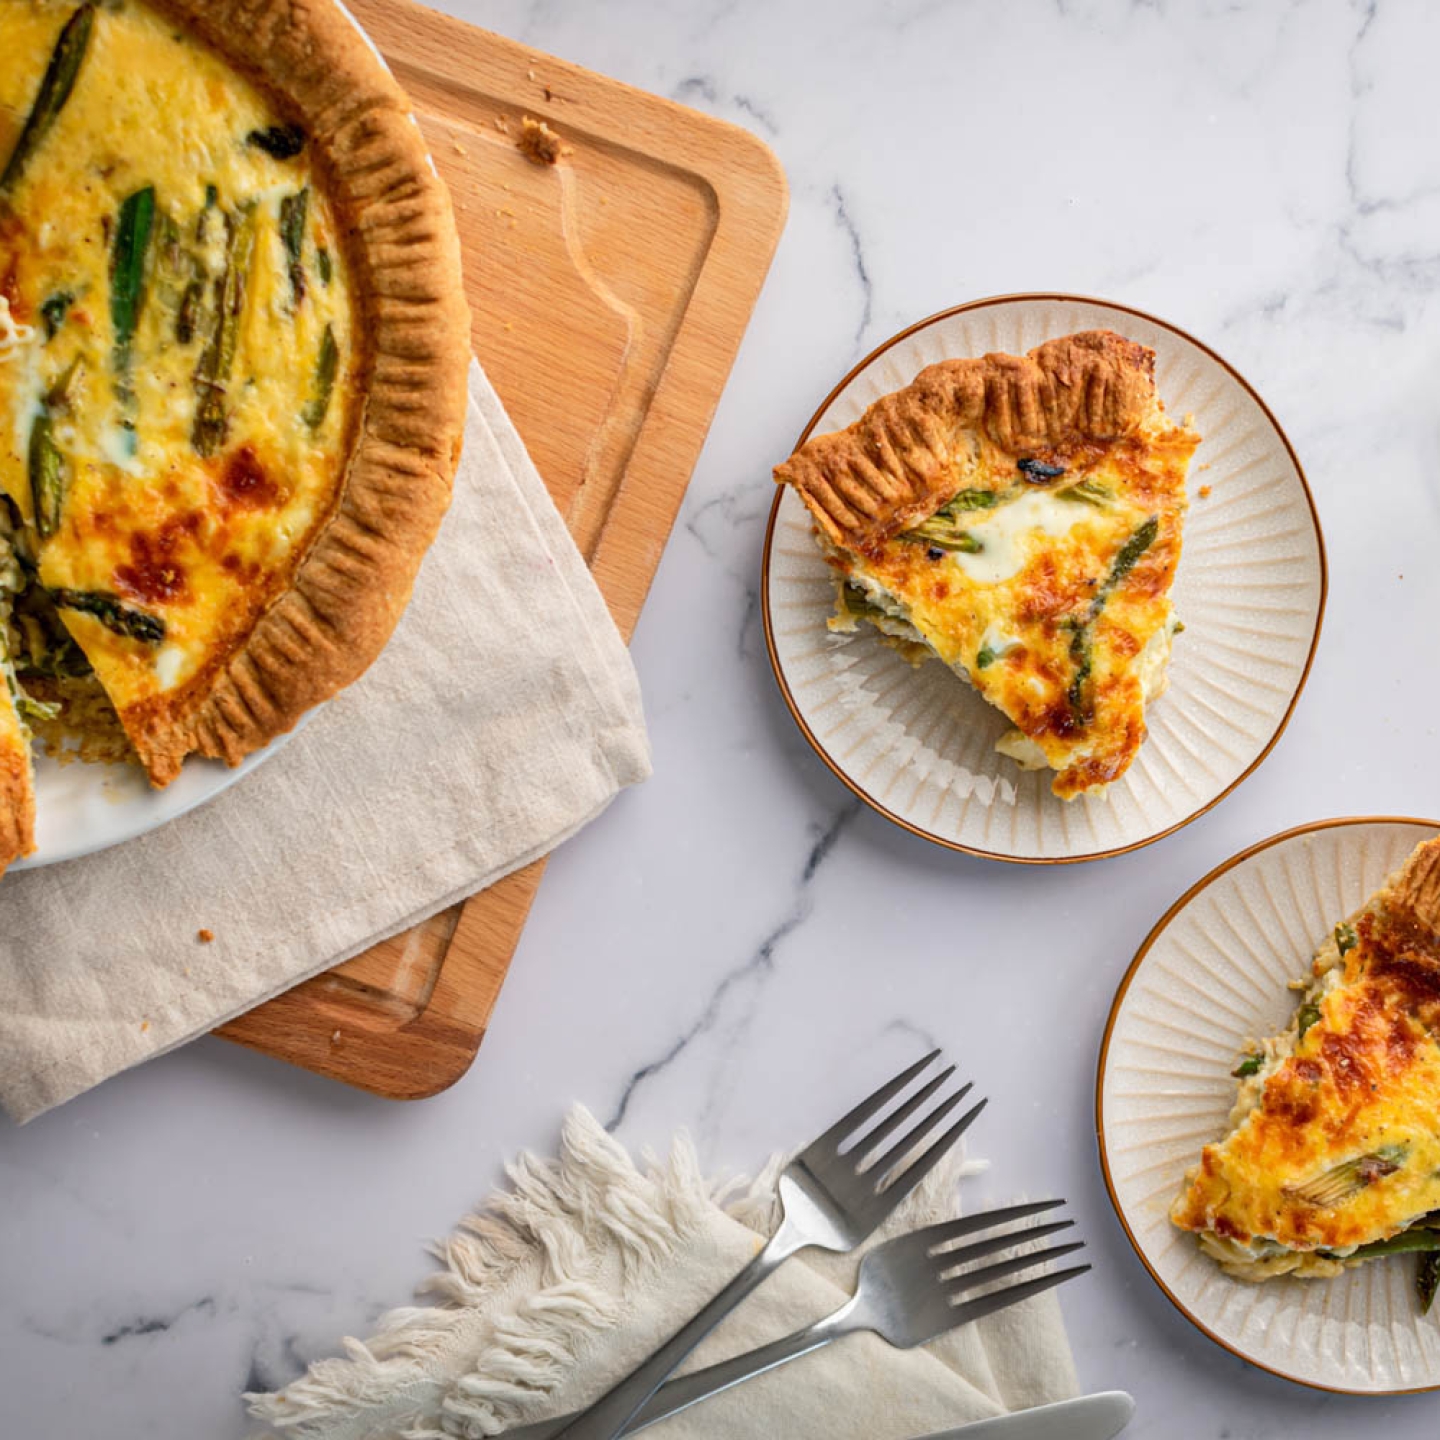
{"x": 233, "y": 348}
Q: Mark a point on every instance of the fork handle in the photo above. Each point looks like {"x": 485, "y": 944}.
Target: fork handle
{"x": 609, "y": 1415}
{"x": 680, "y": 1394}
{"x": 688, "y": 1390}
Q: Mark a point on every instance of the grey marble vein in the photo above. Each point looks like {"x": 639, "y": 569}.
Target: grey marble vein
{"x": 156, "y": 1324}
{"x": 752, "y": 972}
{"x": 857, "y": 256}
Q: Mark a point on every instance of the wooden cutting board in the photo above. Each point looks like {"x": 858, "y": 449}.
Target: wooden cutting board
{"x": 609, "y": 294}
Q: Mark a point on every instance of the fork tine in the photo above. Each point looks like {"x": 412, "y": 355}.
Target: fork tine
{"x": 942, "y": 1235}
{"x": 898, "y": 1117}
{"x": 971, "y": 1278}
{"x": 950, "y": 1261}
{"x": 846, "y": 1126}
{"x": 988, "y": 1304}
{"x": 915, "y": 1134}
{"x": 899, "y": 1183}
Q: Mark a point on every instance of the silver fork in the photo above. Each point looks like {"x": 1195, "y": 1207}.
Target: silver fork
{"x": 832, "y": 1195}
{"x": 911, "y": 1290}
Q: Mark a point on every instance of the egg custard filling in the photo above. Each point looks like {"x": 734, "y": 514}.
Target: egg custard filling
{"x": 1018, "y": 519}
{"x": 1333, "y": 1155}
{"x": 175, "y": 342}
{"x": 220, "y": 462}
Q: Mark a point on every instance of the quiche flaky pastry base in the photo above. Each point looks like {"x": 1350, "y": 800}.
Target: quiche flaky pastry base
{"x": 1333, "y": 1155}
{"x": 233, "y": 352}
{"x": 349, "y": 590}
{"x": 1020, "y": 519}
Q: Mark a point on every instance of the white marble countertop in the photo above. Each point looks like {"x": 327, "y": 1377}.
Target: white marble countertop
{"x": 728, "y": 940}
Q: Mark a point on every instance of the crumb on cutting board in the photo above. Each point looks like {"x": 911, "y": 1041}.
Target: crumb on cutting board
{"x": 204, "y": 936}
{"x": 538, "y": 142}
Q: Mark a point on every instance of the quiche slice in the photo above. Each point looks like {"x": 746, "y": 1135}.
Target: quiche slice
{"x": 1333, "y": 1155}
{"x": 233, "y": 351}
{"x": 1018, "y": 518}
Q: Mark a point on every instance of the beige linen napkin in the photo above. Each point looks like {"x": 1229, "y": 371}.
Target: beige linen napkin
{"x": 502, "y": 716}
{"x": 564, "y": 1283}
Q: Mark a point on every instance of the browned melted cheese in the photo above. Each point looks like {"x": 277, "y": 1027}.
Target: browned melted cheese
{"x": 1033, "y": 618}
{"x": 1363, "y": 1080}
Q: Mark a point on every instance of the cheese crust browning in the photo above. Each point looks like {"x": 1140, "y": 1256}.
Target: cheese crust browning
{"x": 1020, "y": 519}
{"x": 17, "y": 798}
{"x": 1335, "y": 1139}
{"x": 233, "y": 353}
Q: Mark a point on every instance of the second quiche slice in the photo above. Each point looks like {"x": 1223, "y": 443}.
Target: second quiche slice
{"x": 1333, "y": 1155}
{"x": 1018, "y": 517}
{"x": 233, "y": 352}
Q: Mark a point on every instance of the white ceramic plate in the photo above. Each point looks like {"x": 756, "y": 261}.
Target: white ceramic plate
{"x": 918, "y": 745}
{"x": 81, "y": 808}
{"x": 1213, "y": 974}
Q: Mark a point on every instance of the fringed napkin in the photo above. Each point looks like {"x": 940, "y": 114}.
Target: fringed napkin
{"x": 562, "y": 1284}
{"x": 503, "y": 715}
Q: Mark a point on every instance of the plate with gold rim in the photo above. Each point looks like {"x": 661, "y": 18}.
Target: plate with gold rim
{"x": 1212, "y": 976}
{"x": 917, "y": 744}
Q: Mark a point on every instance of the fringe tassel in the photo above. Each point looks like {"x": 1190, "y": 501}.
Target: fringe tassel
{"x": 564, "y": 1212}
{"x": 483, "y": 1357}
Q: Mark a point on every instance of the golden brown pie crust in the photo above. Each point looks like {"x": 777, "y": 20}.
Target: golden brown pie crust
{"x": 348, "y": 591}
{"x": 895, "y": 465}
{"x": 17, "y": 808}
{"x": 1416, "y": 887}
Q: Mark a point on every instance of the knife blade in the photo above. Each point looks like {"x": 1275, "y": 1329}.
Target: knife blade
{"x": 1091, "y": 1417}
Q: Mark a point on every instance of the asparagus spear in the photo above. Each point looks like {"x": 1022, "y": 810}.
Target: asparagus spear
{"x": 323, "y": 265}
{"x": 1130, "y": 553}
{"x": 1124, "y": 562}
{"x": 127, "y": 278}
{"x": 112, "y": 614}
{"x": 1407, "y": 1242}
{"x": 62, "y": 394}
{"x": 187, "y": 314}
{"x": 55, "y": 87}
{"x": 1427, "y": 1279}
{"x": 293, "y": 210}
{"x": 972, "y": 500}
{"x": 1336, "y": 1185}
{"x": 211, "y": 422}
{"x": 944, "y": 535}
{"x": 323, "y": 384}
{"x": 54, "y": 310}
{"x": 943, "y": 529}
{"x": 47, "y": 475}
{"x": 1086, "y": 492}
